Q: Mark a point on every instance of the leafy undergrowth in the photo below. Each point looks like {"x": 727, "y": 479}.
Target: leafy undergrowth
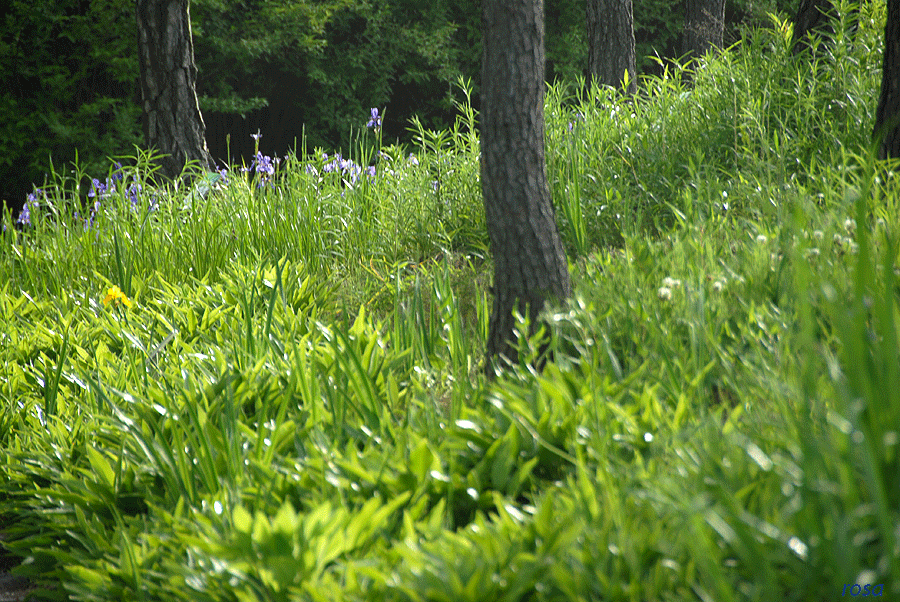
{"x": 273, "y": 390}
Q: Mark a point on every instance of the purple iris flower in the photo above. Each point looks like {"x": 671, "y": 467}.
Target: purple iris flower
{"x": 117, "y": 172}
{"x": 25, "y": 215}
{"x": 100, "y": 190}
{"x": 264, "y": 164}
{"x": 94, "y": 211}
{"x": 133, "y": 192}
{"x": 375, "y": 121}
{"x": 336, "y": 163}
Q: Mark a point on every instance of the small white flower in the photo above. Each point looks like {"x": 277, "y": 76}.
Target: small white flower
{"x": 665, "y": 293}
{"x": 818, "y": 234}
{"x": 671, "y": 282}
{"x": 850, "y": 224}
{"x": 812, "y": 253}
{"x": 761, "y": 239}
{"x": 718, "y": 285}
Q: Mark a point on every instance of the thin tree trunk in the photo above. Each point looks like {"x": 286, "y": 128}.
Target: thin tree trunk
{"x": 173, "y": 124}
{"x": 610, "y": 34}
{"x": 530, "y": 265}
{"x": 887, "y": 116}
{"x": 704, "y": 26}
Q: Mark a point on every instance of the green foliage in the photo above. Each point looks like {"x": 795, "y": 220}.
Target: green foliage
{"x": 270, "y": 386}
{"x": 328, "y": 62}
{"x": 667, "y": 152}
{"x": 72, "y": 70}
{"x": 70, "y": 73}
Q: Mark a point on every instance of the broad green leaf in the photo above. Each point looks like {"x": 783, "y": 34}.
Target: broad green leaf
{"x": 242, "y": 519}
{"x": 101, "y": 467}
{"x": 420, "y": 460}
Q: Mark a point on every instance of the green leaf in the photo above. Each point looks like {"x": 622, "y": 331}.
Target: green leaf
{"x": 420, "y": 460}
{"x": 242, "y": 520}
{"x": 92, "y": 578}
{"x": 101, "y": 467}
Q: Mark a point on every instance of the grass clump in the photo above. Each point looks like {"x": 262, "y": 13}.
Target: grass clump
{"x": 267, "y": 386}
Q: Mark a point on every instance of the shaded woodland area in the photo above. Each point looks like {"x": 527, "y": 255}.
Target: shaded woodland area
{"x": 71, "y": 69}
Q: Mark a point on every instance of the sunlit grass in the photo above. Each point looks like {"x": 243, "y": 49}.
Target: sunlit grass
{"x": 269, "y": 386}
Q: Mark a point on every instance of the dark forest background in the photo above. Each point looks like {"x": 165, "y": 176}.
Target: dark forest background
{"x": 285, "y": 68}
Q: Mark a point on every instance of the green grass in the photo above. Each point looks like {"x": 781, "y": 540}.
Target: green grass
{"x": 293, "y": 406}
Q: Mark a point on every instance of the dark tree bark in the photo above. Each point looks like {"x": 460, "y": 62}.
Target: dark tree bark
{"x": 610, "y": 34}
{"x": 530, "y": 265}
{"x": 173, "y": 124}
{"x": 818, "y": 17}
{"x": 887, "y": 116}
{"x": 813, "y": 16}
{"x": 704, "y": 26}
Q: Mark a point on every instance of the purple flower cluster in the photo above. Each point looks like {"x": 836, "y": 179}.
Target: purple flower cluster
{"x": 105, "y": 190}
{"x": 348, "y": 169}
{"x": 24, "y": 218}
{"x": 102, "y": 190}
{"x": 263, "y": 165}
{"x": 387, "y": 163}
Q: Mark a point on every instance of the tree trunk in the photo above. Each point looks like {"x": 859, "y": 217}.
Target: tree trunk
{"x": 173, "y": 124}
{"x": 813, "y": 17}
{"x": 610, "y": 34}
{"x": 887, "y": 117}
{"x": 704, "y": 26}
{"x": 530, "y": 265}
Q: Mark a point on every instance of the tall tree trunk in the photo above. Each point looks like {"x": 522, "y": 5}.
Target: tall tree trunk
{"x": 887, "y": 117}
{"x": 173, "y": 124}
{"x": 813, "y": 17}
{"x": 610, "y": 34}
{"x": 530, "y": 265}
{"x": 704, "y": 26}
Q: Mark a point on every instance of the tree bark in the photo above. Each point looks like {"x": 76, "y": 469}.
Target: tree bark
{"x": 173, "y": 124}
{"x": 887, "y": 116}
{"x": 704, "y": 26}
{"x": 530, "y": 265}
{"x": 813, "y": 16}
{"x": 610, "y": 34}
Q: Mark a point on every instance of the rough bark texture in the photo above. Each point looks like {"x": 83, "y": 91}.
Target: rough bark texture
{"x": 887, "y": 117}
{"x": 173, "y": 124}
{"x": 530, "y": 265}
{"x": 813, "y": 16}
{"x": 704, "y": 26}
{"x": 610, "y": 34}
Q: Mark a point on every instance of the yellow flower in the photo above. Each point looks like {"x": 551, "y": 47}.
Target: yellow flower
{"x": 114, "y": 295}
